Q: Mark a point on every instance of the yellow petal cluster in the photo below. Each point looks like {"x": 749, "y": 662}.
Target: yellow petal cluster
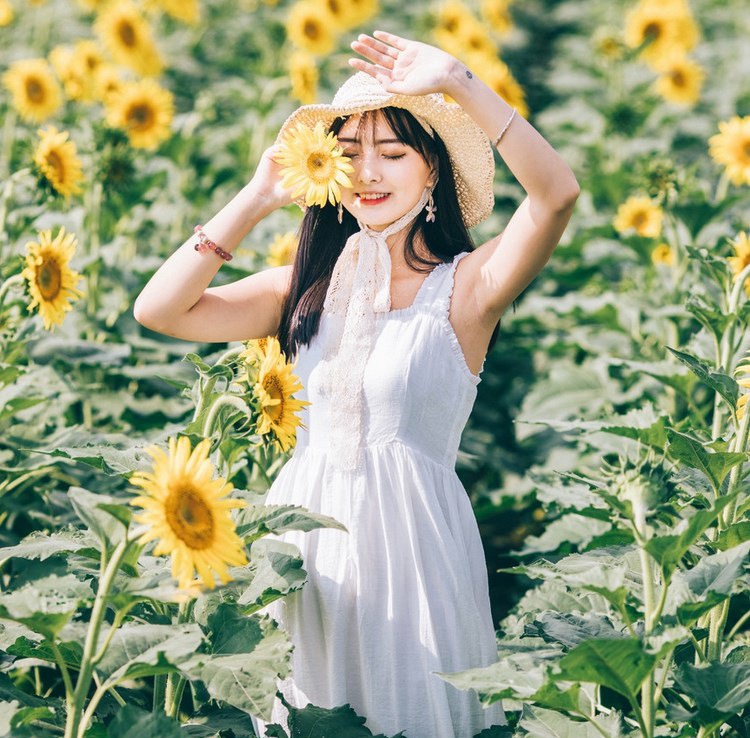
{"x": 188, "y": 513}
{"x": 51, "y": 281}
{"x": 663, "y": 254}
{"x": 128, "y": 38}
{"x": 659, "y": 28}
{"x": 640, "y": 214}
{"x": 78, "y": 67}
{"x": 35, "y": 93}
{"x": 742, "y": 376}
{"x": 187, "y": 11}
{"x": 303, "y": 73}
{"x": 313, "y": 165}
{"x": 680, "y": 79}
{"x": 6, "y": 13}
{"x": 57, "y": 160}
{"x": 144, "y": 110}
{"x": 731, "y": 148}
{"x": 274, "y": 389}
{"x": 497, "y": 14}
{"x": 741, "y": 258}
{"x": 283, "y": 249}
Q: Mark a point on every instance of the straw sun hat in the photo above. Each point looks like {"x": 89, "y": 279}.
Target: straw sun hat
{"x": 468, "y": 147}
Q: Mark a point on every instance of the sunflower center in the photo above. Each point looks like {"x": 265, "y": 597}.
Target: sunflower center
{"x": 49, "y": 279}
{"x": 334, "y": 7}
{"x": 34, "y": 90}
{"x": 651, "y": 31}
{"x": 127, "y": 33}
{"x": 639, "y": 219}
{"x": 56, "y": 163}
{"x": 678, "y": 79}
{"x": 275, "y": 391}
{"x": 141, "y": 116}
{"x": 311, "y": 30}
{"x": 319, "y": 166}
{"x": 190, "y": 518}
{"x": 746, "y": 150}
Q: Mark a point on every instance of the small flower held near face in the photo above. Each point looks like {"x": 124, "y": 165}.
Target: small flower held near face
{"x": 731, "y": 147}
{"x": 188, "y": 513}
{"x": 641, "y": 214}
{"x": 51, "y": 282}
{"x": 314, "y": 165}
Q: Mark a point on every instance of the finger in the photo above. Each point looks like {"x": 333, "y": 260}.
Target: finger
{"x": 381, "y": 74}
{"x": 373, "y": 55}
{"x": 378, "y": 45}
{"x": 392, "y": 39}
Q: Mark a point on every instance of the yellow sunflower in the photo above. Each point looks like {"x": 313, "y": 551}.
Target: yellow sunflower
{"x": 742, "y": 376}
{"x": 339, "y": 14}
{"x": 255, "y": 351}
{"x": 497, "y": 15}
{"x": 660, "y": 28}
{"x": 452, "y": 16}
{"x": 274, "y": 389}
{"x": 663, "y": 254}
{"x": 187, "y": 11}
{"x": 731, "y": 147}
{"x": 741, "y": 258}
{"x": 313, "y": 165}
{"x": 496, "y": 74}
{"x": 6, "y": 13}
{"x": 188, "y": 513}
{"x": 78, "y": 68}
{"x": 109, "y": 82}
{"x": 35, "y": 92}
{"x": 680, "y": 80}
{"x": 283, "y": 249}
{"x": 308, "y": 27}
{"x": 608, "y": 43}
{"x": 58, "y": 161}
{"x": 641, "y": 214}
{"x": 359, "y": 11}
{"x": 51, "y": 282}
{"x": 144, "y": 110}
{"x": 303, "y": 74}
{"x": 127, "y": 36}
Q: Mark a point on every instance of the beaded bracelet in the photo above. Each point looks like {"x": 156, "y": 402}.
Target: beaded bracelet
{"x": 204, "y": 242}
{"x": 497, "y": 140}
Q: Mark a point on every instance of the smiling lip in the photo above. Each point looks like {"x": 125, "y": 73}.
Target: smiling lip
{"x": 371, "y": 201}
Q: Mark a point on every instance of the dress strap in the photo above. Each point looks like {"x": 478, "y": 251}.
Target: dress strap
{"x": 439, "y": 290}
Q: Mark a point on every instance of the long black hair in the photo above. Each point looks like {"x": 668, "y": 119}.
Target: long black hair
{"x": 322, "y": 237}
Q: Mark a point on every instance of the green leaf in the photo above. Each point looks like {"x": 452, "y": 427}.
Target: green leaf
{"x": 618, "y": 664}
{"x": 256, "y": 521}
{"x": 712, "y": 320}
{"x": 569, "y": 630}
{"x": 541, "y": 723}
{"x": 718, "y": 690}
{"x": 41, "y": 546}
{"x": 106, "y": 517}
{"x": 690, "y": 451}
{"x": 46, "y": 605}
{"x": 139, "y": 650}
{"x": 133, "y": 722}
{"x": 718, "y": 381}
{"x": 71, "y": 651}
{"x": 246, "y": 680}
{"x": 734, "y": 535}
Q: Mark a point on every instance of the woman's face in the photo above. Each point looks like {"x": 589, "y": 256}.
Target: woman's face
{"x": 389, "y": 176}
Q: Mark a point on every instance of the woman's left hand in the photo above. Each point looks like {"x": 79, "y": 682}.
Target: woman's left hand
{"x": 402, "y": 66}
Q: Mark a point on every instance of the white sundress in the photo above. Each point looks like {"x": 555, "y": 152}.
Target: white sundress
{"x": 404, "y": 592}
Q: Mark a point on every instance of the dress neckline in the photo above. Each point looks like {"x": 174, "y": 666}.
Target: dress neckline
{"x": 417, "y": 298}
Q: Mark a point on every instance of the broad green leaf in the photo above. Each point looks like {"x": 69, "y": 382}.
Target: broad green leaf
{"x": 276, "y": 570}
{"x": 690, "y": 451}
{"x": 711, "y": 319}
{"x": 541, "y": 723}
{"x": 620, "y": 664}
{"x": 710, "y": 581}
{"x": 139, "y": 650}
{"x": 40, "y": 546}
{"x": 668, "y": 550}
{"x": 256, "y": 521}
{"x": 71, "y": 651}
{"x": 718, "y": 381}
{"x": 569, "y": 630}
{"x": 133, "y": 722}
{"x": 215, "y": 720}
{"x": 718, "y": 690}
{"x": 46, "y": 605}
{"x": 568, "y": 530}
{"x": 105, "y": 516}
{"x": 246, "y": 680}
{"x": 734, "y": 535}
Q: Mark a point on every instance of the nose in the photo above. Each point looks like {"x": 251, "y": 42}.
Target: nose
{"x": 368, "y": 170}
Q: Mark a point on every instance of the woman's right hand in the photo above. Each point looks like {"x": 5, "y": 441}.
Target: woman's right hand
{"x": 267, "y": 180}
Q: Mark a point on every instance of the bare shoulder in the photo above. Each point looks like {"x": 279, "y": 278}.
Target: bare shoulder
{"x": 468, "y": 279}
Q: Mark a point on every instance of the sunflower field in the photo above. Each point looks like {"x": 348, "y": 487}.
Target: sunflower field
{"x": 606, "y": 456}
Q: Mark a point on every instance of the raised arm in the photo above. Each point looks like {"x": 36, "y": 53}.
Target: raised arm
{"x": 504, "y": 266}
{"x": 178, "y": 301}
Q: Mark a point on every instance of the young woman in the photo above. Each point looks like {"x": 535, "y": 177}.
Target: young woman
{"x": 390, "y": 360}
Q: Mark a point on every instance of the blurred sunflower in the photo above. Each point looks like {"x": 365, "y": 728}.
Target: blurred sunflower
{"x": 187, "y": 11}
{"x": 658, "y": 28}
{"x": 307, "y": 27}
{"x": 608, "y": 43}
{"x": 339, "y": 14}
{"x": 58, "y": 161}
{"x": 127, "y": 36}
{"x": 641, "y": 214}
{"x": 360, "y": 11}
{"x": 109, "y": 82}
{"x": 283, "y": 249}
{"x": 188, "y": 513}
{"x": 451, "y": 17}
{"x": 304, "y": 76}
{"x": 741, "y": 258}
{"x": 36, "y": 95}
{"x": 6, "y": 13}
{"x": 95, "y": 5}
{"x": 496, "y": 74}
{"x": 731, "y": 147}
{"x": 663, "y": 254}
{"x": 274, "y": 389}
{"x": 144, "y": 110}
{"x": 313, "y": 165}
{"x": 680, "y": 80}
{"x": 78, "y": 68}
{"x": 497, "y": 15}
{"x": 51, "y": 282}
{"x": 742, "y": 377}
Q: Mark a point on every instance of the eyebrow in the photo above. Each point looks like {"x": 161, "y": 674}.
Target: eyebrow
{"x": 378, "y": 142}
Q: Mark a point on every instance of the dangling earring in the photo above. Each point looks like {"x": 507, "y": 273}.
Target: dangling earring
{"x": 341, "y": 213}
{"x": 431, "y": 210}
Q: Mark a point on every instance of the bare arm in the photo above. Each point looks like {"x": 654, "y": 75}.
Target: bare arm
{"x": 178, "y": 301}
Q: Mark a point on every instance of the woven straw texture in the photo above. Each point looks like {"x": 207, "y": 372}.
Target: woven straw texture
{"x": 468, "y": 147}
